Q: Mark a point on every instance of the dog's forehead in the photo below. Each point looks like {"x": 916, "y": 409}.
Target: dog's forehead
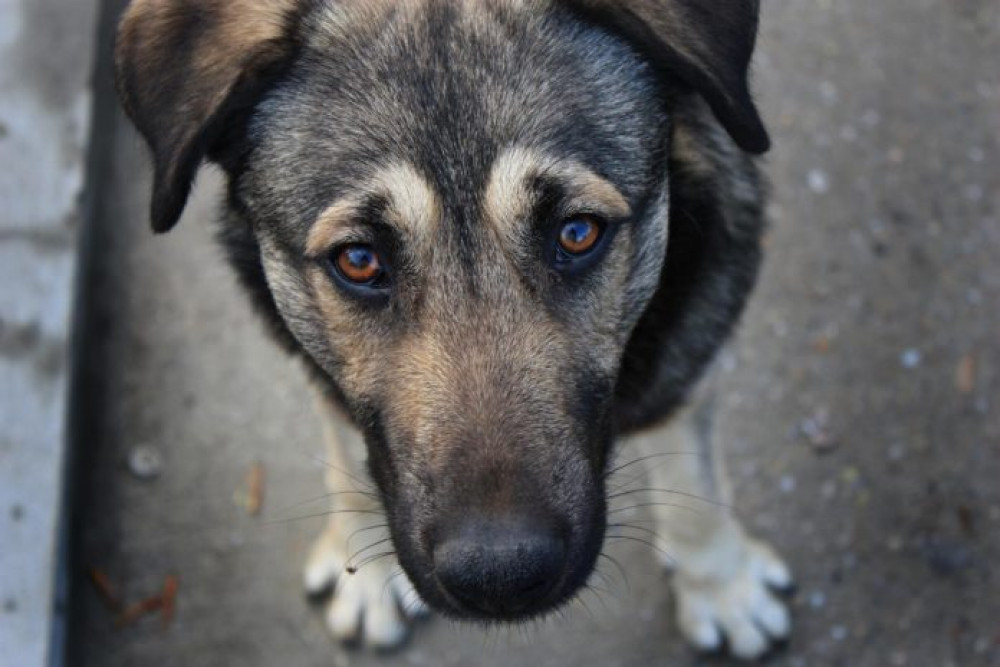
{"x": 458, "y": 99}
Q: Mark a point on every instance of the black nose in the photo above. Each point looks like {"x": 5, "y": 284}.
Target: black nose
{"x": 500, "y": 568}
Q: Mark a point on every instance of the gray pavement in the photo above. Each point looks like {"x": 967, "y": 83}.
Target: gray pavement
{"x": 46, "y": 49}
{"x": 861, "y": 414}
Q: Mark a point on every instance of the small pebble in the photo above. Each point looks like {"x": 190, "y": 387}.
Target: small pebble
{"x": 145, "y": 462}
{"x": 898, "y": 659}
{"x": 848, "y": 134}
{"x": 976, "y": 154}
{"x": 818, "y": 182}
{"x": 986, "y": 90}
{"x": 871, "y": 118}
{"x": 816, "y": 430}
{"x": 817, "y": 599}
{"x": 896, "y": 452}
{"x": 946, "y": 557}
{"x": 974, "y": 193}
{"x": 416, "y": 658}
{"x": 787, "y": 484}
{"x": 910, "y": 358}
{"x": 828, "y": 91}
{"x": 838, "y": 633}
{"x": 981, "y": 646}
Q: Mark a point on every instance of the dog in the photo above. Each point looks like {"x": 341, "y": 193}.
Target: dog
{"x": 507, "y": 238}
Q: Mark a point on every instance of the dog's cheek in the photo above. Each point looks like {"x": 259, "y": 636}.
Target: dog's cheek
{"x": 293, "y": 297}
{"x": 647, "y": 259}
{"x": 589, "y": 408}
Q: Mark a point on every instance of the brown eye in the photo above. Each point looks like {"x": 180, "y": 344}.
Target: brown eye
{"x": 359, "y": 264}
{"x": 579, "y": 235}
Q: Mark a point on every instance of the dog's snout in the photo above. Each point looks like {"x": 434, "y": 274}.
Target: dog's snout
{"x": 501, "y": 568}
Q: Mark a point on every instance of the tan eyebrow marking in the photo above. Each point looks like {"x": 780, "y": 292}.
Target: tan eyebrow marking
{"x": 509, "y": 196}
{"x": 412, "y": 205}
{"x": 324, "y": 231}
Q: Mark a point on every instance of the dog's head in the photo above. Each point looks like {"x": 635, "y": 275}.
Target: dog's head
{"x": 462, "y": 213}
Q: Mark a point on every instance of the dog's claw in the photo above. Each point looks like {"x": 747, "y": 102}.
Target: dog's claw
{"x": 740, "y": 608}
{"x": 702, "y": 632}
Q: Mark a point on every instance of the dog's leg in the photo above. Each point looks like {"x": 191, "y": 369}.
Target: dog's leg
{"x": 724, "y": 580}
{"x": 372, "y": 597}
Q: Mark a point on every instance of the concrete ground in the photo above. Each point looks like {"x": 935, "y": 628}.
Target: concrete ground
{"x": 862, "y": 412}
{"x": 46, "y": 50}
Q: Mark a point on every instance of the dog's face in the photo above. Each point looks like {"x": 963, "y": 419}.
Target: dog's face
{"x": 462, "y": 213}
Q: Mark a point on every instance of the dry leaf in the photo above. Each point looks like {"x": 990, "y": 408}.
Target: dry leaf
{"x": 106, "y": 590}
{"x": 965, "y": 374}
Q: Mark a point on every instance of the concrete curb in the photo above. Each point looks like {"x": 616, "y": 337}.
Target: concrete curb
{"x": 46, "y": 49}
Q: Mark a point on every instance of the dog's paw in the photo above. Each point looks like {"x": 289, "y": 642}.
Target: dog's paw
{"x": 740, "y": 607}
{"x": 372, "y": 601}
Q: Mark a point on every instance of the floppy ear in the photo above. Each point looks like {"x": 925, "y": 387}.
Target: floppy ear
{"x": 185, "y": 67}
{"x": 707, "y": 44}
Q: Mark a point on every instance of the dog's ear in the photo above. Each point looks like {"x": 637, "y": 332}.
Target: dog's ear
{"x": 183, "y": 68}
{"x": 707, "y": 44}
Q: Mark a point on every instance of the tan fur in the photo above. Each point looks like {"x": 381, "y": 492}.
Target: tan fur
{"x": 689, "y": 153}
{"x": 414, "y": 208}
{"x": 239, "y": 28}
{"x": 509, "y": 197}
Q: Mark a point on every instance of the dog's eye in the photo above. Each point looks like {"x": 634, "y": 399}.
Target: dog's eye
{"x": 579, "y": 236}
{"x": 359, "y": 264}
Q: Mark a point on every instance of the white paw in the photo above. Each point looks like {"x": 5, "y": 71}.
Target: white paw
{"x": 740, "y": 609}
{"x": 373, "y": 604}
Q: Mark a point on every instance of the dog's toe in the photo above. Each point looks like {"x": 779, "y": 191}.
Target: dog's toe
{"x": 413, "y": 605}
{"x": 740, "y": 608}
{"x": 385, "y": 627}
{"x": 366, "y": 610}
{"x": 323, "y": 567}
{"x": 698, "y": 625}
{"x": 370, "y": 605}
{"x": 773, "y": 617}
{"x": 772, "y": 569}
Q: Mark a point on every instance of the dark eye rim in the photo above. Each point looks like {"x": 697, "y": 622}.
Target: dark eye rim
{"x": 375, "y": 289}
{"x": 567, "y": 262}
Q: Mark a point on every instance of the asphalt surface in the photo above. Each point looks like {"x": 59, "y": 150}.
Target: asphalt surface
{"x": 862, "y": 411}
